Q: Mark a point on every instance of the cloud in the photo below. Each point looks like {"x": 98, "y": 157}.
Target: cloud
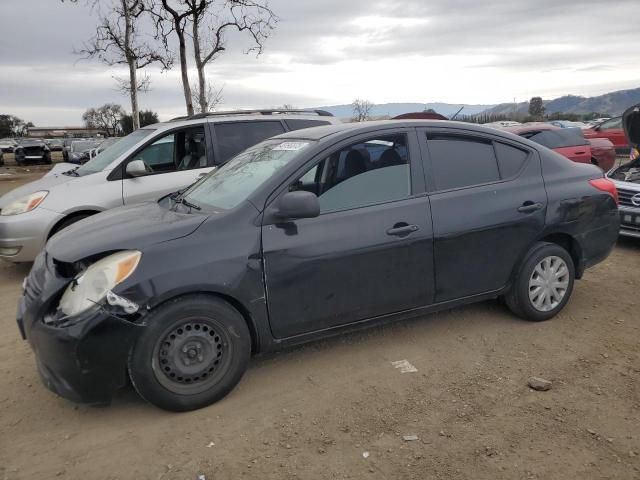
{"x": 331, "y": 51}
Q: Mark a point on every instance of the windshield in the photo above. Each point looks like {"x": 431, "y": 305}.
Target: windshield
{"x": 106, "y": 157}
{"x": 82, "y": 146}
{"x": 226, "y": 187}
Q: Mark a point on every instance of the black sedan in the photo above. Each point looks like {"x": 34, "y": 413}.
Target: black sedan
{"x": 306, "y": 235}
{"x": 32, "y": 151}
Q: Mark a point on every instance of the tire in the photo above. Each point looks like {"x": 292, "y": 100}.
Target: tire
{"x": 47, "y": 159}
{"x": 530, "y": 297}
{"x": 192, "y": 353}
{"x": 67, "y": 222}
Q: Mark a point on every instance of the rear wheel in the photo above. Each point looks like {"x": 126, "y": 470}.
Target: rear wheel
{"x": 192, "y": 353}
{"x": 543, "y": 284}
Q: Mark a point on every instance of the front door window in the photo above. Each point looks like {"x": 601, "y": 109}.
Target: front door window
{"x": 181, "y": 150}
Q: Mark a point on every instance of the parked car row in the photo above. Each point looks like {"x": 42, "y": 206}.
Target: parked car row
{"x": 259, "y": 232}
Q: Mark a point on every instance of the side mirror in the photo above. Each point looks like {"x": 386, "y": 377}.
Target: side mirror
{"x": 137, "y": 168}
{"x": 299, "y": 204}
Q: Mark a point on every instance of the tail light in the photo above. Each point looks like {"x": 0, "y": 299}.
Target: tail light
{"x": 605, "y": 185}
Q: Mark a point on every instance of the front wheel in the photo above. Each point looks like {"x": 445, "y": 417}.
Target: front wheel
{"x": 543, "y": 283}
{"x": 192, "y": 353}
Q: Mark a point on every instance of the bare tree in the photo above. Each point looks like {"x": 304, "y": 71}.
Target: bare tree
{"x": 207, "y": 22}
{"x": 213, "y": 98}
{"x": 106, "y": 117}
{"x": 361, "y": 110}
{"x": 251, "y": 17}
{"x": 119, "y": 42}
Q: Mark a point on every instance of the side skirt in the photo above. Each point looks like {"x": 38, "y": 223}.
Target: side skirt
{"x": 280, "y": 343}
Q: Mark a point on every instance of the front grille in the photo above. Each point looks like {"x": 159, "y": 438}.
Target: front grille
{"x": 630, "y": 228}
{"x": 33, "y": 150}
{"x": 625, "y": 197}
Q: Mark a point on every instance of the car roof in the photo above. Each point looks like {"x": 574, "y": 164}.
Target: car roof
{"x": 346, "y": 129}
{"x": 246, "y": 115}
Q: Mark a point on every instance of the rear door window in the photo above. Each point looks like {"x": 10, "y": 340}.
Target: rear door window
{"x": 461, "y": 161}
{"x": 234, "y": 137}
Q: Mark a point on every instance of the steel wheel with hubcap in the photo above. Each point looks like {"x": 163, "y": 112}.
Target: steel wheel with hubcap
{"x": 548, "y": 283}
{"x": 192, "y": 352}
{"x": 543, "y": 283}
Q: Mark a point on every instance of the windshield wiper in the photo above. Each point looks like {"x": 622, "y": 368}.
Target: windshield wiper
{"x": 185, "y": 202}
{"x": 73, "y": 172}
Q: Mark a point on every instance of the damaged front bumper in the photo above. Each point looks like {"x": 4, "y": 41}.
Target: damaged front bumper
{"x": 83, "y": 360}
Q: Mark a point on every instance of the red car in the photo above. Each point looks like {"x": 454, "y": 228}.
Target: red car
{"x": 611, "y": 130}
{"x": 570, "y": 142}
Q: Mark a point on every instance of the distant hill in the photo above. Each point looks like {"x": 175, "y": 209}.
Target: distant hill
{"x": 613, "y": 103}
{"x": 393, "y": 109}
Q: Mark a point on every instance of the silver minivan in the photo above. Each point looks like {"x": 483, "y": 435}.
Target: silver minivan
{"x": 145, "y": 165}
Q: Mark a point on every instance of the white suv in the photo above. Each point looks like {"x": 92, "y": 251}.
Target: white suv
{"x": 145, "y": 165}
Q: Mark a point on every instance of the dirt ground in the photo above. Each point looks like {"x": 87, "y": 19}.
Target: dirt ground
{"x": 339, "y": 408}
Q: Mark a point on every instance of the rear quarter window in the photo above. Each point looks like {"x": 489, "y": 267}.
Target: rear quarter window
{"x": 510, "y": 159}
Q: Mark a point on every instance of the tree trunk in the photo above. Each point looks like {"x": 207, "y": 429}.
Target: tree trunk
{"x": 131, "y": 61}
{"x": 184, "y": 70}
{"x": 135, "y": 113}
{"x": 202, "y": 81}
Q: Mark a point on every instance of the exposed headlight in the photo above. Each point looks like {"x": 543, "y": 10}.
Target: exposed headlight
{"x": 24, "y": 204}
{"x": 92, "y": 286}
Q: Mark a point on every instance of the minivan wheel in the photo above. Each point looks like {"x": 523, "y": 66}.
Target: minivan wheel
{"x": 193, "y": 351}
{"x": 67, "y": 222}
{"x": 543, "y": 284}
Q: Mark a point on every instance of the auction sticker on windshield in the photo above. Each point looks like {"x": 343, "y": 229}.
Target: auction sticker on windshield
{"x": 291, "y": 146}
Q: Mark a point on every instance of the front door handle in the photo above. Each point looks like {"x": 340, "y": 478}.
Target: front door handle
{"x": 530, "y": 207}
{"x": 402, "y": 229}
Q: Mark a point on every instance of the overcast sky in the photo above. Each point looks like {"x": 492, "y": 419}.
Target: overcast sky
{"x": 326, "y": 52}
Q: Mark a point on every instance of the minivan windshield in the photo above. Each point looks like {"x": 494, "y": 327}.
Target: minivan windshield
{"x": 226, "y": 187}
{"x": 106, "y": 157}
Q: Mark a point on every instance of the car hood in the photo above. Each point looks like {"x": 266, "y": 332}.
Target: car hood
{"x": 44, "y": 183}
{"x": 122, "y": 228}
{"x": 60, "y": 168}
{"x": 631, "y": 125}
{"x": 629, "y": 172}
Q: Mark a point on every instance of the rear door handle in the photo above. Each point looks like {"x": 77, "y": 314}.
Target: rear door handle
{"x": 402, "y": 229}
{"x": 529, "y": 207}
{"x": 581, "y": 153}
